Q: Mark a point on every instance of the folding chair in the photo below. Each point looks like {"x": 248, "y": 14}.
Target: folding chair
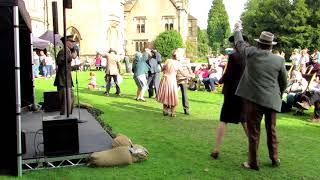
{"x": 290, "y": 71}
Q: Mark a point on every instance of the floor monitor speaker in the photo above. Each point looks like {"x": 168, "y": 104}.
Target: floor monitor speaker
{"x": 60, "y": 135}
{"x": 51, "y": 101}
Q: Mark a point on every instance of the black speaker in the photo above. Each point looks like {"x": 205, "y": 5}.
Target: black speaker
{"x": 60, "y": 136}
{"x": 67, "y": 4}
{"x": 51, "y": 101}
{"x": 55, "y": 18}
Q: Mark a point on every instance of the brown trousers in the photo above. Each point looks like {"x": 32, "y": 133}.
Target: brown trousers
{"x": 62, "y": 99}
{"x": 254, "y": 113}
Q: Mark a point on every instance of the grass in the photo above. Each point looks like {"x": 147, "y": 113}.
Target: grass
{"x": 179, "y": 147}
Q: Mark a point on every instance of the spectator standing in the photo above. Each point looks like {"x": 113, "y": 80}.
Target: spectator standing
{"x": 35, "y": 64}
{"x": 126, "y": 61}
{"x": 98, "y": 61}
{"x": 42, "y": 68}
{"x": 49, "y": 65}
{"x": 295, "y": 58}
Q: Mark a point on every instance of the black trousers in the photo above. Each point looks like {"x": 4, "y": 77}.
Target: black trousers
{"x": 153, "y": 83}
{"x": 108, "y": 81}
{"x": 62, "y": 100}
{"x": 185, "y": 102}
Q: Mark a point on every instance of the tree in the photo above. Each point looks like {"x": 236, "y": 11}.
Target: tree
{"x": 218, "y": 25}
{"x": 314, "y": 21}
{"x": 295, "y": 31}
{"x": 203, "y": 47}
{"x": 294, "y": 22}
{"x": 167, "y": 41}
{"x": 191, "y": 49}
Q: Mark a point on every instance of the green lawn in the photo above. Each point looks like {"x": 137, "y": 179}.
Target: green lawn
{"x": 179, "y": 147}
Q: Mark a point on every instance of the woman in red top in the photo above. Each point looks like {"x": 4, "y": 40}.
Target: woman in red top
{"x": 98, "y": 62}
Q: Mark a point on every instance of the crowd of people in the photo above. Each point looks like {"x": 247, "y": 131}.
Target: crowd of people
{"x": 43, "y": 64}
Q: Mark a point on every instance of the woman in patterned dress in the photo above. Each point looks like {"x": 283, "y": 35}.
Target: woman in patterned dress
{"x": 168, "y": 89}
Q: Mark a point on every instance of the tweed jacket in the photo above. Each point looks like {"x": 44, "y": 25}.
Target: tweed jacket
{"x": 264, "y": 78}
{"x": 113, "y": 64}
{"x": 60, "y": 80}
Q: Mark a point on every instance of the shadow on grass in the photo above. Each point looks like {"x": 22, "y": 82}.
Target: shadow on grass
{"x": 135, "y": 107}
{"x": 101, "y": 93}
{"x": 206, "y": 102}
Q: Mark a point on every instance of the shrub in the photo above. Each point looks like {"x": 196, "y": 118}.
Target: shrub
{"x": 167, "y": 41}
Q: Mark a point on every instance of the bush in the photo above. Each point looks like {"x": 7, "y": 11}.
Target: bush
{"x": 167, "y": 41}
{"x": 203, "y": 49}
{"x": 191, "y": 49}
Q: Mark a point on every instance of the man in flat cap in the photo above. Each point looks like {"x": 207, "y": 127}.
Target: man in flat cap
{"x": 261, "y": 86}
{"x": 60, "y": 80}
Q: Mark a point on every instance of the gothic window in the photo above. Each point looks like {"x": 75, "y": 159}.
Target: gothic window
{"x": 190, "y": 29}
{"x": 140, "y": 44}
{"x": 168, "y": 23}
{"x": 141, "y": 25}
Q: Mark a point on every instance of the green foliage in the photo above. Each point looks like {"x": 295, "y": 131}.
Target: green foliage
{"x": 202, "y": 36}
{"x": 179, "y": 147}
{"x": 167, "y": 41}
{"x": 191, "y": 49}
{"x": 203, "y": 47}
{"x": 218, "y": 25}
{"x": 294, "y": 23}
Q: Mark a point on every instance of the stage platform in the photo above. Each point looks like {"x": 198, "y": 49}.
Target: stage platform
{"x": 92, "y": 138}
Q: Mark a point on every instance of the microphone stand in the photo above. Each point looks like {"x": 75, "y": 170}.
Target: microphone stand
{"x": 66, "y": 63}
{"x": 77, "y": 87}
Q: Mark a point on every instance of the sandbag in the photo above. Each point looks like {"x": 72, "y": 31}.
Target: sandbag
{"x": 121, "y": 140}
{"x": 139, "y": 153}
{"x": 113, "y": 157}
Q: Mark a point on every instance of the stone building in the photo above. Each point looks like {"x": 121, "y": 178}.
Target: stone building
{"x": 98, "y": 26}
{"x": 146, "y": 19}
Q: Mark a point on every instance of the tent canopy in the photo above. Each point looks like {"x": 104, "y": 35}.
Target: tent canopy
{"x": 48, "y": 35}
{"x": 40, "y": 43}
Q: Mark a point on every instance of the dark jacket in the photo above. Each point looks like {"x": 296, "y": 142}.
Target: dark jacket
{"x": 154, "y": 63}
{"x": 233, "y": 74}
{"x": 61, "y": 73}
{"x": 264, "y": 78}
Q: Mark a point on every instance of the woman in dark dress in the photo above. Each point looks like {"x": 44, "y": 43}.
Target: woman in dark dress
{"x": 232, "y": 108}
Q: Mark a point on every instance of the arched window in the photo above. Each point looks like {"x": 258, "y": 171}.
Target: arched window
{"x": 74, "y": 31}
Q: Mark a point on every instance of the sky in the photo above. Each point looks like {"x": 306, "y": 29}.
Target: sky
{"x": 200, "y": 9}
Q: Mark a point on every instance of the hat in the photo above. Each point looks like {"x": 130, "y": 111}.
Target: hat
{"x": 266, "y": 38}
{"x": 68, "y": 38}
{"x": 231, "y": 38}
